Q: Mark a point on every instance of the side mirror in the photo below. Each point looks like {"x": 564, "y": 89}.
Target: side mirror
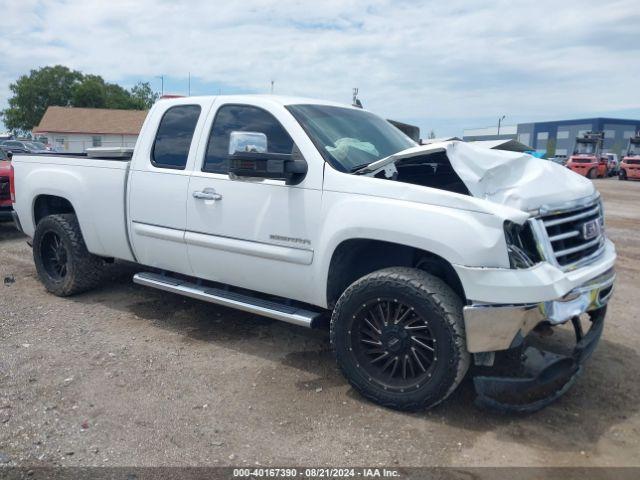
{"x": 247, "y": 142}
{"x": 249, "y": 158}
{"x": 276, "y": 166}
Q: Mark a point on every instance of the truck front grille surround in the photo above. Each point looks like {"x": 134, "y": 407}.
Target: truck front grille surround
{"x": 570, "y": 235}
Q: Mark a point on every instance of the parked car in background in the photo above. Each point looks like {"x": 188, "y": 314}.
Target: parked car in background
{"x": 587, "y": 158}
{"x": 5, "y": 185}
{"x": 426, "y": 258}
{"x": 630, "y": 165}
{"x": 24, "y": 146}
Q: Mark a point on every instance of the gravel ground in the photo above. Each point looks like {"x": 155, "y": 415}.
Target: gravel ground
{"x": 130, "y": 376}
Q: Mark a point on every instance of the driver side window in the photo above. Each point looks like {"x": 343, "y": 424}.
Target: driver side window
{"x": 242, "y": 118}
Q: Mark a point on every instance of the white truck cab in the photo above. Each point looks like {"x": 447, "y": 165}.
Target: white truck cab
{"x": 299, "y": 209}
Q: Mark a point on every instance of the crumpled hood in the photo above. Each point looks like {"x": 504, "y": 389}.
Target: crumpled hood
{"x": 514, "y": 179}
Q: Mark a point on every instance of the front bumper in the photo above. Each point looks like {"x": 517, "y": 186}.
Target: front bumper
{"x": 493, "y": 327}
{"x": 536, "y": 375}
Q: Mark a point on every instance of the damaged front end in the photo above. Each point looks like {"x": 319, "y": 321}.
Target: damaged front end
{"x": 544, "y": 359}
{"x": 536, "y": 373}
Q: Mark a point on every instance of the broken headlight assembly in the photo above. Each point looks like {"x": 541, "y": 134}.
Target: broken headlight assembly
{"x": 521, "y": 245}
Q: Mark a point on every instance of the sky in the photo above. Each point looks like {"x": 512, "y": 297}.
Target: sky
{"x": 443, "y": 66}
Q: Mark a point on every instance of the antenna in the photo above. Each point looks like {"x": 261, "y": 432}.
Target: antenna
{"x": 272, "y": 84}
{"x": 189, "y": 88}
{"x": 356, "y": 101}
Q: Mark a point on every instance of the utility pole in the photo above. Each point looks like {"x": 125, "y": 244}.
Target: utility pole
{"x": 500, "y": 122}
{"x": 161, "y": 77}
{"x": 272, "y": 84}
{"x": 189, "y": 88}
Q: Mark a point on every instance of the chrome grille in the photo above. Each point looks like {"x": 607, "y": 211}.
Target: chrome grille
{"x": 573, "y": 235}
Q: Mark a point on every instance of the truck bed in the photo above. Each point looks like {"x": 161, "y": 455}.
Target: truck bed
{"x": 95, "y": 188}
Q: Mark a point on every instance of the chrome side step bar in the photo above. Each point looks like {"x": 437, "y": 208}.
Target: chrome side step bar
{"x": 258, "y": 306}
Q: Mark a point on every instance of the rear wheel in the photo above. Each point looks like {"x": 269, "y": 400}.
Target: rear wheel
{"x": 64, "y": 265}
{"x": 622, "y": 175}
{"x": 398, "y": 336}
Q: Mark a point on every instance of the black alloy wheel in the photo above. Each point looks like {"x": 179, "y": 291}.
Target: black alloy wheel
{"x": 393, "y": 344}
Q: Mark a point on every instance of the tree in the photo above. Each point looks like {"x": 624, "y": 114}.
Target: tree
{"x": 143, "y": 96}
{"x": 33, "y": 93}
{"x": 90, "y": 93}
{"x": 118, "y": 97}
{"x": 47, "y": 86}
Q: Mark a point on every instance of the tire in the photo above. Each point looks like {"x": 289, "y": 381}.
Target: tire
{"x": 432, "y": 310}
{"x": 64, "y": 265}
{"x": 593, "y": 173}
{"x": 622, "y": 175}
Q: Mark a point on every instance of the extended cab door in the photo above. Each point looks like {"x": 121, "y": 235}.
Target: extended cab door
{"x": 159, "y": 181}
{"x": 253, "y": 233}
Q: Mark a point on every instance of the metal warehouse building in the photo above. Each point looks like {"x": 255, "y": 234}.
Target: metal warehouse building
{"x": 558, "y": 137}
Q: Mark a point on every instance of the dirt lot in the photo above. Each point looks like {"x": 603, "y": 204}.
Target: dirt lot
{"x": 130, "y": 376}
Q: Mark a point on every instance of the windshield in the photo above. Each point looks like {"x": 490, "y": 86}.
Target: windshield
{"x": 348, "y": 138}
{"x": 38, "y": 145}
{"x": 585, "y": 147}
{"x": 634, "y": 149}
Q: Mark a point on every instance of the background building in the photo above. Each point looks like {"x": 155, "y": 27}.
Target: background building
{"x": 558, "y": 137}
{"x": 74, "y": 130}
{"x": 507, "y": 132}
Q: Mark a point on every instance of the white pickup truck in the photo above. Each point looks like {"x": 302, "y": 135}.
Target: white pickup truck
{"x": 428, "y": 259}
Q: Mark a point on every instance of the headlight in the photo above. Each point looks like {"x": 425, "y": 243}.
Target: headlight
{"x": 521, "y": 245}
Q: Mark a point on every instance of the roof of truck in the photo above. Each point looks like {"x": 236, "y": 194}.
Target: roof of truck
{"x": 280, "y": 99}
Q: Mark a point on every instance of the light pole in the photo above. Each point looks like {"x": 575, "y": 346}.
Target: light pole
{"x": 161, "y": 77}
{"x": 500, "y": 122}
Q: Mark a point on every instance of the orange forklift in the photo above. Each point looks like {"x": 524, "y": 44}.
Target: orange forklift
{"x": 588, "y": 159}
{"x": 630, "y": 165}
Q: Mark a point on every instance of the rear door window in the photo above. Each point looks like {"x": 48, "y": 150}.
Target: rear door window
{"x": 173, "y": 139}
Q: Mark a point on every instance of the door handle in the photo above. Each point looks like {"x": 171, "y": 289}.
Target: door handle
{"x": 207, "y": 194}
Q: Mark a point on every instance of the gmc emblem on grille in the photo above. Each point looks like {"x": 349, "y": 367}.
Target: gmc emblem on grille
{"x": 590, "y": 229}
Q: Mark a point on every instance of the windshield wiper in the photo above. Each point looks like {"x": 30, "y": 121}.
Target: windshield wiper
{"x": 358, "y": 168}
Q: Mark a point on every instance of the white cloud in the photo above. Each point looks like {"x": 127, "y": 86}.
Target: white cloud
{"x": 416, "y": 60}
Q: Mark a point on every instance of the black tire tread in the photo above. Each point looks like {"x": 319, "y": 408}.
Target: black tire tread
{"x": 88, "y": 269}
{"x": 441, "y": 296}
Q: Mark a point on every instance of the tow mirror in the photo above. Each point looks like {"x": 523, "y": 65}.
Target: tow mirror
{"x": 249, "y": 158}
{"x": 247, "y": 142}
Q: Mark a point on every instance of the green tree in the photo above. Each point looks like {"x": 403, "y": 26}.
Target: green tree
{"x": 59, "y": 86}
{"x": 118, "y": 97}
{"x": 90, "y": 93}
{"x": 33, "y": 93}
{"x": 143, "y": 96}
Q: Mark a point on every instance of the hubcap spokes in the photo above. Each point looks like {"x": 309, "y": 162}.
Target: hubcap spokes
{"x": 54, "y": 256}
{"x": 394, "y": 343}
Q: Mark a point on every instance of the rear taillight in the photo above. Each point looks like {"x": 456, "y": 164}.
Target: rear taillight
{"x": 12, "y": 184}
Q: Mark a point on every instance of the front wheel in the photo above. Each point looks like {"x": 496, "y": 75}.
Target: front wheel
{"x": 64, "y": 265}
{"x": 593, "y": 173}
{"x": 398, "y": 336}
{"x": 622, "y": 175}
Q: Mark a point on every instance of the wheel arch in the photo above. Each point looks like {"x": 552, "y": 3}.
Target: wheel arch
{"x": 46, "y": 204}
{"x": 357, "y": 257}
